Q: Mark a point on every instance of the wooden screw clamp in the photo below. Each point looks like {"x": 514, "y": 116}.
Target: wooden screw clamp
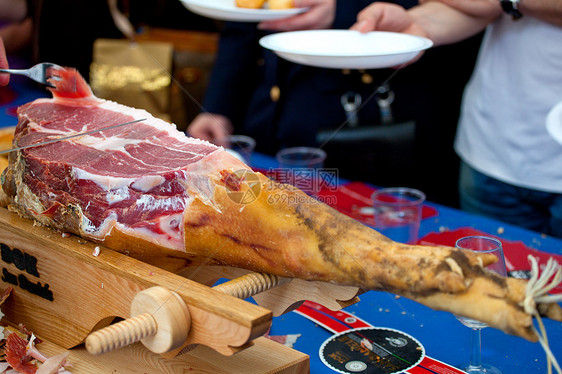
{"x": 65, "y": 288}
{"x": 160, "y": 319}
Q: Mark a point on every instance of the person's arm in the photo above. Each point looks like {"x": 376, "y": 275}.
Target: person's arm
{"x": 210, "y": 127}
{"x": 546, "y": 10}
{"x": 13, "y": 10}
{"x": 435, "y": 20}
{"x": 4, "y": 78}
{"x": 17, "y": 35}
{"x": 231, "y": 82}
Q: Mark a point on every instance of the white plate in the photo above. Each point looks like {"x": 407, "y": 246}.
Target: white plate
{"x": 226, "y": 10}
{"x": 554, "y": 122}
{"x": 346, "y": 49}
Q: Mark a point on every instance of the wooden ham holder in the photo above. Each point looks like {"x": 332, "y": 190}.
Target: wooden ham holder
{"x": 65, "y": 288}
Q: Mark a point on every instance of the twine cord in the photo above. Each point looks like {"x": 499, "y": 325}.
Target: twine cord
{"x": 536, "y": 293}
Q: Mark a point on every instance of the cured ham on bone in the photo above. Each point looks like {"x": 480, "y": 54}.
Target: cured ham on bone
{"x": 150, "y": 191}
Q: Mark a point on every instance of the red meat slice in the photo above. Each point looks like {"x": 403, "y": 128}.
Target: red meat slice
{"x": 16, "y": 354}
{"x": 139, "y": 178}
{"x": 69, "y": 84}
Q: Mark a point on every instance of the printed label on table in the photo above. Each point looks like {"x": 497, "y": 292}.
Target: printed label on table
{"x": 371, "y": 350}
{"x": 359, "y": 347}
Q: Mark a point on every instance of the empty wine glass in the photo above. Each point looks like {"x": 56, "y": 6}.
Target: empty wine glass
{"x": 481, "y": 244}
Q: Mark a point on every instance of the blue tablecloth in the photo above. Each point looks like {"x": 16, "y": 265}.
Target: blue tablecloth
{"x": 443, "y": 337}
{"x": 21, "y": 90}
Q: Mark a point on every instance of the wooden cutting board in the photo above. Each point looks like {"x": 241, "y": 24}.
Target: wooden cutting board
{"x": 265, "y": 356}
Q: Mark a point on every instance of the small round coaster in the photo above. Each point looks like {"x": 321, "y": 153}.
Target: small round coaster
{"x": 371, "y": 350}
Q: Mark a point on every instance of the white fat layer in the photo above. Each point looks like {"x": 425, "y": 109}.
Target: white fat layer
{"x": 116, "y": 196}
{"x": 149, "y": 203}
{"x": 98, "y": 232}
{"x": 171, "y": 226}
{"x": 34, "y": 126}
{"x": 112, "y": 143}
{"x": 147, "y": 183}
{"x": 105, "y": 182}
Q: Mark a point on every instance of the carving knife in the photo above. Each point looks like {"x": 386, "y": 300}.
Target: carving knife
{"x": 70, "y": 136}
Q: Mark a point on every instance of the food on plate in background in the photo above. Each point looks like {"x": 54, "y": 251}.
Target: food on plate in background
{"x": 254, "y": 4}
{"x": 271, "y": 4}
{"x": 280, "y": 4}
{"x": 150, "y": 191}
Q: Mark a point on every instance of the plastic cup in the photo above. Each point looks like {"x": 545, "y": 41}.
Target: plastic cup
{"x": 241, "y": 146}
{"x": 398, "y": 213}
{"x": 299, "y": 166}
{"x": 301, "y": 157}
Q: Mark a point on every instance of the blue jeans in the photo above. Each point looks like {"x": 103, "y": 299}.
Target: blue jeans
{"x": 536, "y": 210}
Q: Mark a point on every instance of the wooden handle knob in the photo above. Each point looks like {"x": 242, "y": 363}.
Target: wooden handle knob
{"x": 161, "y": 321}
{"x": 250, "y": 284}
{"x": 121, "y": 334}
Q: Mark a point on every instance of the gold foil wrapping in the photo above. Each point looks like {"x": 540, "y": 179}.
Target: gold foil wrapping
{"x": 133, "y": 74}
{"x": 112, "y": 77}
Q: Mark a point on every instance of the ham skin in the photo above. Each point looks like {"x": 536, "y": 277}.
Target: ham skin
{"x": 151, "y": 192}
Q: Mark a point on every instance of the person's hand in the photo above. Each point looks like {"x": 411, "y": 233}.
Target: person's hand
{"x": 4, "y": 78}
{"x": 210, "y": 127}
{"x": 320, "y": 15}
{"x": 436, "y": 20}
{"x": 381, "y": 16}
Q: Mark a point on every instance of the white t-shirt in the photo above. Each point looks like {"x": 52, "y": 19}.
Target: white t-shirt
{"x": 516, "y": 82}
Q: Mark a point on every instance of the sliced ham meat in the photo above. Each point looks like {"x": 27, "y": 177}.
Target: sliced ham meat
{"x": 17, "y": 355}
{"x": 138, "y": 178}
{"x": 24, "y": 358}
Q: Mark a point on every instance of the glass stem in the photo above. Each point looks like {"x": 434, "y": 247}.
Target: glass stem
{"x": 476, "y": 348}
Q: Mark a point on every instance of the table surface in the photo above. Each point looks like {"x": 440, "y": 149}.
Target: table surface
{"x": 443, "y": 337}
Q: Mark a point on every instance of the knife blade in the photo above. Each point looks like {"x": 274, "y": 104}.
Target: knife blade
{"x": 70, "y": 136}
